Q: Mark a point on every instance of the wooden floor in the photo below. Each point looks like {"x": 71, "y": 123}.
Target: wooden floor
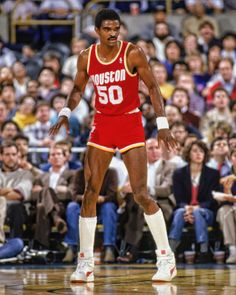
{"x": 117, "y": 279}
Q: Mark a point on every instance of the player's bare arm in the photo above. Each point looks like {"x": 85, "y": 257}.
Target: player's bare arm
{"x": 75, "y": 96}
{"x": 137, "y": 62}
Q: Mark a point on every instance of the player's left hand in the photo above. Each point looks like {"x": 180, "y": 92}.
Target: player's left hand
{"x": 165, "y": 136}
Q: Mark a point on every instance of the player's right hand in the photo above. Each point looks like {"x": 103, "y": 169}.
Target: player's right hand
{"x": 62, "y": 121}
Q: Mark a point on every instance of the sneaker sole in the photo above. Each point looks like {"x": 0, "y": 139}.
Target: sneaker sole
{"x": 82, "y": 281}
{"x": 167, "y": 280}
{"x": 89, "y": 279}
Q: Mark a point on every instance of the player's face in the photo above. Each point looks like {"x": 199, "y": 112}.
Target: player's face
{"x": 109, "y": 32}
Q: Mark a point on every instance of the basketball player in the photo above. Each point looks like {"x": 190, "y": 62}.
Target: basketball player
{"x": 115, "y": 67}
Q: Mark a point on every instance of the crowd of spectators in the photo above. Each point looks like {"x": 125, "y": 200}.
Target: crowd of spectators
{"x": 195, "y": 68}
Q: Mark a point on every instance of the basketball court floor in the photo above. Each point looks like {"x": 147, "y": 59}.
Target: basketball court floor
{"x": 117, "y": 279}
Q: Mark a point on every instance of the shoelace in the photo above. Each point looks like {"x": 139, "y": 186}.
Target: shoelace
{"x": 164, "y": 262}
{"x": 83, "y": 264}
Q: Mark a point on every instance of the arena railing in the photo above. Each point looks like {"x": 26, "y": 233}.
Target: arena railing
{"x": 90, "y": 4}
{"x": 76, "y": 21}
{"x": 44, "y": 22}
{"x": 45, "y": 149}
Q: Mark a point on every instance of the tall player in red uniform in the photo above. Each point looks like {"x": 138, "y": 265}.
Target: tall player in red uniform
{"x": 115, "y": 68}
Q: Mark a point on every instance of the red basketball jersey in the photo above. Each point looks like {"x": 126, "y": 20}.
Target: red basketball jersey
{"x": 115, "y": 87}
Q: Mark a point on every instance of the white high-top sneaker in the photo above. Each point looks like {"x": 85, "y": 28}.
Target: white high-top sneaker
{"x": 166, "y": 267}
{"x": 84, "y": 271}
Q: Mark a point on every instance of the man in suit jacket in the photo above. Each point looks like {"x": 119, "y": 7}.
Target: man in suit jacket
{"x": 52, "y": 192}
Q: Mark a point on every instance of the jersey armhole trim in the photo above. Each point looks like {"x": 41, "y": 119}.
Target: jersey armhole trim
{"x": 125, "y": 62}
{"x": 89, "y": 57}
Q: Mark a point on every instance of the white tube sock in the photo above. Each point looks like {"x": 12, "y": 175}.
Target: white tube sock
{"x": 157, "y": 227}
{"x": 87, "y": 228}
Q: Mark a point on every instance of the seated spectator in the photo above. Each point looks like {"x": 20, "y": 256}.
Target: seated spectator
{"x": 85, "y": 130}
{"x": 8, "y": 95}
{"x": 144, "y": 46}
{"x": 107, "y": 214}
{"x": 227, "y": 211}
{"x": 53, "y": 59}
{"x": 159, "y": 15}
{"x": 38, "y": 132}
{"x": 174, "y": 114}
{"x": 229, "y": 46}
{"x": 66, "y": 85}
{"x": 70, "y": 65}
{"x": 219, "y": 159}
{"x": 232, "y": 107}
{"x": 180, "y": 132}
{"x": 173, "y": 53}
{"x": 189, "y": 139}
{"x": 161, "y": 36}
{"x": 124, "y": 32}
{"x": 46, "y": 80}
{"x": 149, "y": 120}
{"x": 20, "y": 9}
{"x": 219, "y": 129}
{"x": 206, "y": 37}
{"x": 191, "y": 22}
{"x": 226, "y": 80}
{"x": 181, "y": 99}
{"x": 190, "y": 44}
{"x": 15, "y": 187}
{"x": 58, "y": 101}
{"x": 151, "y": 50}
{"x": 220, "y": 112}
{"x": 32, "y": 89}
{"x": 9, "y": 130}
{"x": 232, "y": 141}
{"x": 3, "y": 113}
{"x": 213, "y": 59}
{"x": 7, "y": 57}
{"x": 60, "y": 9}
{"x": 197, "y": 103}
{"x": 197, "y": 68}
{"x": 192, "y": 186}
{"x": 71, "y": 163}
{"x": 6, "y": 75}
{"x": 26, "y": 162}
{"x": 25, "y": 115}
{"x": 215, "y": 6}
{"x": 52, "y": 191}
{"x": 179, "y": 67}
{"x": 160, "y": 74}
{"x": 20, "y": 79}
